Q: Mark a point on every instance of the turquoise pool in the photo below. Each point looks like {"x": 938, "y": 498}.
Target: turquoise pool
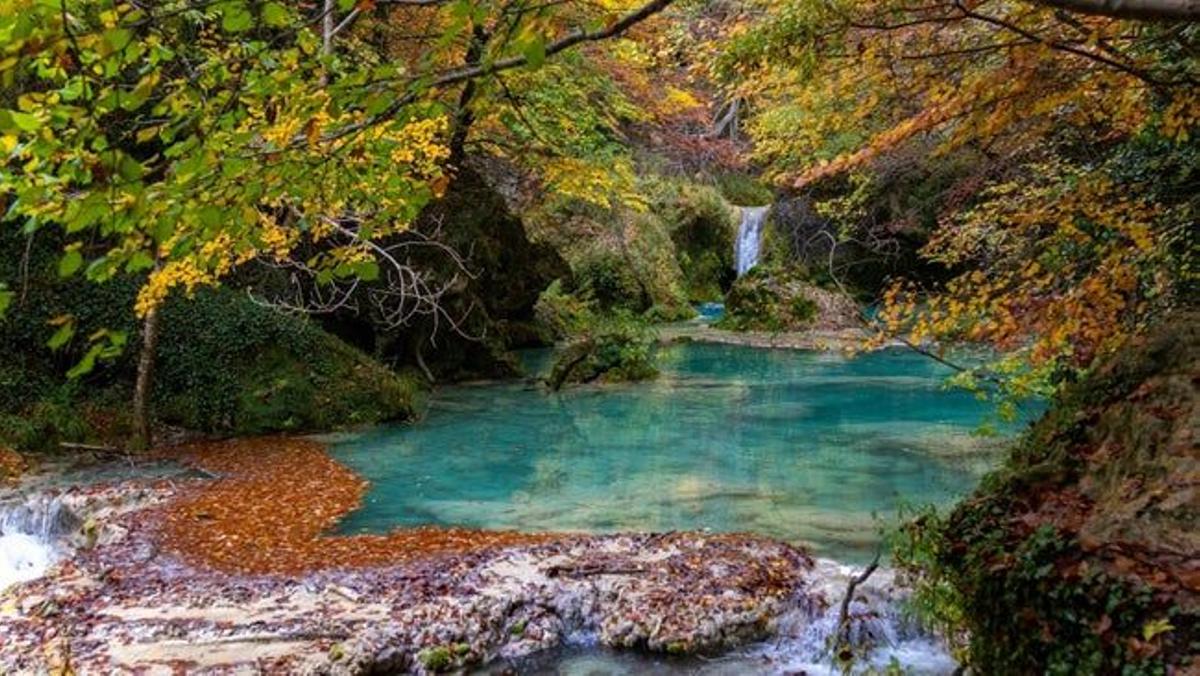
{"x": 814, "y": 448}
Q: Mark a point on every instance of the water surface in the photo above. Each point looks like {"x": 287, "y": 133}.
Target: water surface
{"x": 813, "y": 448}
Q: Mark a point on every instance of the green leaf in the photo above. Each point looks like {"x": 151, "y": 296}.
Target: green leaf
{"x": 86, "y": 364}
{"x": 62, "y": 336}
{"x": 535, "y": 52}
{"x": 368, "y": 271}
{"x": 6, "y": 298}
{"x": 139, "y": 261}
{"x": 70, "y": 263}
{"x": 236, "y": 19}
{"x": 275, "y": 14}
{"x": 12, "y": 120}
{"x": 118, "y": 38}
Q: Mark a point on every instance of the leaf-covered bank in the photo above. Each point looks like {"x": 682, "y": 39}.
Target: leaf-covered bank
{"x": 1078, "y": 556}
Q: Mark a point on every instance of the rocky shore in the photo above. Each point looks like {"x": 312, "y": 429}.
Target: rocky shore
{"x": 128, "y": 599}
{"x": 843, "y": 339}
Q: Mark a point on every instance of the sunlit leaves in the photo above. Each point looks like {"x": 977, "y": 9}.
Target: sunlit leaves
{"x": 1053, "y": 262}
{"x": 188, "y": 157}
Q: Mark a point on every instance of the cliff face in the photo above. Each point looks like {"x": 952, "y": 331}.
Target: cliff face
{"x": 1081, "y": 554}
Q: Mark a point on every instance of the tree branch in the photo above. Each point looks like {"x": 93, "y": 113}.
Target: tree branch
{"x": 480, "y": 70}
{"x": 1154, "y": 10}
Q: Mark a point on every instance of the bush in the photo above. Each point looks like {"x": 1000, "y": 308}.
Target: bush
{"x": 607, "y": 277}
{"x": 563, "y": 314}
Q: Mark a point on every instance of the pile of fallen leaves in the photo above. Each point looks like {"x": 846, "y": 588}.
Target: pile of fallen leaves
{"x": 274, "y": 504}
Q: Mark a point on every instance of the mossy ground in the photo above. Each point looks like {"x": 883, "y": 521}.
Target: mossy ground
{"x": 225, "y": 365}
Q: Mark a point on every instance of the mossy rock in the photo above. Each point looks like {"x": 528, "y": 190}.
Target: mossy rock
{"x": 613, "y": 349}
{"x": 703, "y": 227}
{"x": 783, "y": 300}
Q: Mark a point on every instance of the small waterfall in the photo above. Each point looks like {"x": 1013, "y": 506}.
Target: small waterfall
{"x": 749, "y": 238}
{"x": 880, "y": 632}
{"x": 879, "y": 629}
{"x": 31, "y": 535}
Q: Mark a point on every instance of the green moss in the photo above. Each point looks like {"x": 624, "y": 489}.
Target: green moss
{"x": 224, "y": 365}
{"x": 702, "y": 226}
{"x": 228, "y": 365}
{"x": 436, "y": 659}
{"x": 744, "y": 190}
{"x": 768, "y": 300}
{"x": 678, "y": 648}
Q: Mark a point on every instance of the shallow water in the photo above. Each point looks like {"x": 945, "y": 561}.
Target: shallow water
{"x": 813, "y": 448}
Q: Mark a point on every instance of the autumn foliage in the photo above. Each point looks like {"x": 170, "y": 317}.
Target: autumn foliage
{"x": 1072, "y": 227}
{"x": 272, "y": 508}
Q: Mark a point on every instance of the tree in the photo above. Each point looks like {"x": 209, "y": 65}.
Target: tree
{"x": 1066, "y": 228}
{"x": 1178, "y": 10}
{"x": 180, "y": 141}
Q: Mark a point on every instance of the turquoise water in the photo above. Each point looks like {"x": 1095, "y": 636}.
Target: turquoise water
{"x": 809, "y": 447}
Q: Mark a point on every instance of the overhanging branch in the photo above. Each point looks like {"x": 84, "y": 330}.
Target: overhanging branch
{"x": 1156, "y": 10}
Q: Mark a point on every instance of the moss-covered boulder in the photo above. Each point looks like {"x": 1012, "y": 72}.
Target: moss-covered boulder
{"x": 703, "y": 228}
{"x": 1079, "y": 555}
{"x": 228, "y": 365}
{"x": 783, "y": 300}
{"x": 225, "y": 364}
{"x": 610, "y": 349}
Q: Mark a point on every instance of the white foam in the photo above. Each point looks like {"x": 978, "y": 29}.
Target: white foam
{"x": 24, "y": 557}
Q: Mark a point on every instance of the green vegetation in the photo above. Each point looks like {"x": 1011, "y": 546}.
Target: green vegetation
{"x": 774, "y": 298}
{"x": 744, "y": 190}
{"x": 601, "y": 345}
{"x": 703, "y": 226}
{"x": 225, "y": 365}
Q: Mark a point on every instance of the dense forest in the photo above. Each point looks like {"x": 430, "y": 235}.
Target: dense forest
{"x": 230, "y": 223}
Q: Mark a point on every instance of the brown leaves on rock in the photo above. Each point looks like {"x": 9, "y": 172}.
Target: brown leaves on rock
{"x": 273, "y": 505}
{"x": 12, "y": 464}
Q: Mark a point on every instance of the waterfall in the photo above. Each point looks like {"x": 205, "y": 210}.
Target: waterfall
{"x": 31, "y": 535}
{"x": 879, "y": 629}
{"x": 749, "y": 238}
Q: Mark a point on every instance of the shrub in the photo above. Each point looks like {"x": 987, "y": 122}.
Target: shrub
{"x": 607, "y": 277}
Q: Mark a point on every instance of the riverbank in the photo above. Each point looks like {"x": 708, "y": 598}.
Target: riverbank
{"x": 238, "y": 572}
{"x": 837, "y": 340}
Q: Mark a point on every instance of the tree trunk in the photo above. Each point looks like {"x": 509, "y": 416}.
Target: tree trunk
{"x": 142, "y": 434}
{"x": 327, "y": 27}
{"x": 463, "y": 115}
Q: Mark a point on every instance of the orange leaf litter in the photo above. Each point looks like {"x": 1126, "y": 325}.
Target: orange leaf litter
{"x": 274, "y": 503}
